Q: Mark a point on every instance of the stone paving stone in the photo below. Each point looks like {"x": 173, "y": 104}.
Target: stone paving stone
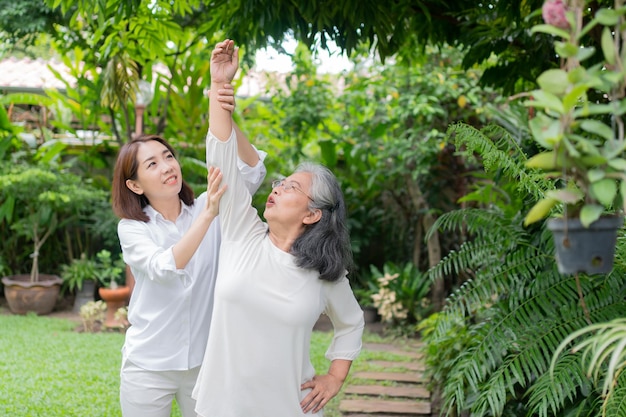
{"x": 410, "y": 377}
{"x": 413, "y": 408}
{"x": 382, "y": 415}
{"x": 411, "y": 366}
{"x": 410, "y": 352}
{"x": 389, "y": 391}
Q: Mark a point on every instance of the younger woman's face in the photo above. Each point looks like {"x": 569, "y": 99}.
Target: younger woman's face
{"x": 158, "y": 172}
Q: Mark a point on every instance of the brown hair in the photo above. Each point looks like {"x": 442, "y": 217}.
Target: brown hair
{"x": 127, "y": 204}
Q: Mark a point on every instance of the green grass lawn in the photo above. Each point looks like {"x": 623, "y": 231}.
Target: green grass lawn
{"x": 47, "y": 369}
{"x": 50, "y": 370}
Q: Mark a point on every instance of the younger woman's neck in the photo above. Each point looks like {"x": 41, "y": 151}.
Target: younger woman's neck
{"x": 169, "y": 209}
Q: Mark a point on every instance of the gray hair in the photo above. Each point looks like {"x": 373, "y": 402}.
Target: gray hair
{"x": 325, "y": 245}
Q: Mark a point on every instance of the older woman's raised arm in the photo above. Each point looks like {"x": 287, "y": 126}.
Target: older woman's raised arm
{"x": 224, "y": 65}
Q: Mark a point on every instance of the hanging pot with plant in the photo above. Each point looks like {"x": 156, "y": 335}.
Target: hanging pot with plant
{"x": 579, "y": 126}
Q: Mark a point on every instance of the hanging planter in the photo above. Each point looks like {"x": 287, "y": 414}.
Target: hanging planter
{"x": 585, "y": 249}
{"x": 578, "y": 124}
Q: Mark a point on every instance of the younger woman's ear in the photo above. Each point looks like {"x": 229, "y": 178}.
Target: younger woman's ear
{"x": 134, "y": 187}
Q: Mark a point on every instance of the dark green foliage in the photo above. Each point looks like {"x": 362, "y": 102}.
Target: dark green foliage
{"x": 514, "y": 308}
{"x": 25, "y": 19}
{"x": 36, "y": 204}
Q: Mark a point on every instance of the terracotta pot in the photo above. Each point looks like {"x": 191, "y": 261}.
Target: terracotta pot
{"x": 38, "y": 297}
{"x": 114, "y": 299}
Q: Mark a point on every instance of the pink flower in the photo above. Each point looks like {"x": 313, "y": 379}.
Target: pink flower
{"x": 553, "y": 12}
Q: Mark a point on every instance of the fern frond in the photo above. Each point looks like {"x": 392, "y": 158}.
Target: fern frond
{"x": 615, "y": 404}
{"x": 479, "y": 223}
{"x": 499, "y": 152}
{"x": 496, "y": 276}
{"x": 550, "y": 392}
{"x": 515, "y": 345}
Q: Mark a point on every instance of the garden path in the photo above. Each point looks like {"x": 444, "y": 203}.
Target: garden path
{"x": 392, "y": 388}
{"x": 397, "y": 389}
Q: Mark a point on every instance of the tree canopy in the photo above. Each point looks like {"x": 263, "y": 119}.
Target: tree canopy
{"x": 494, "y": 33}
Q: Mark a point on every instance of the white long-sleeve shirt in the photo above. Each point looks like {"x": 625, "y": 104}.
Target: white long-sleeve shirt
{"x": 170, "y": 309}
{"x": 265, "y": 308}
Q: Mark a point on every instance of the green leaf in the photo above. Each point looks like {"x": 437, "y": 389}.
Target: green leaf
{"x": 329, "y": 152}
{"x": 550, "y": 30}
{"x": 50, "y": 150}
{"x": 566, "y": 49}
{"x": 585, "y": 53}
{"x": 595, "y": 175}
{"x": 540, "y": 210}
{"x": 554, "y": 81}
{"x": 610, "y": 79}
{"x": 7, "y": 208}
{"x": 586, "y": 146}
{"x": 593, "y": 109}
{"x": 545, "y": 161}
{"x": 612, "y": 149}
{"x": 597, "y": 127}
{"x": 573, "y": 97}
{"x": 546, "y": 130}
{"x": 547, "y": 100}
{"x": 608, "y": 47}
{"x": 618, "y": 164}
{"x": 607, "y": 17}
{"x": 604, "y": 191}
{"x": 590, "y": 213}
{"x": 593, "y": 160}
{"x": 567, "y": 196}
{"x": 26, "y": 98}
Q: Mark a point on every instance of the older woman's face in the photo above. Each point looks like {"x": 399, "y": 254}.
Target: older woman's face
{"x": 289, "y": 201}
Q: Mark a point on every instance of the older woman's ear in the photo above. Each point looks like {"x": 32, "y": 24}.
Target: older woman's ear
{"x": 312, "y": 217}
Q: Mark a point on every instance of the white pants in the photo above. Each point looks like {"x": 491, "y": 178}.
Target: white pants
{"x": 151, "y": 393}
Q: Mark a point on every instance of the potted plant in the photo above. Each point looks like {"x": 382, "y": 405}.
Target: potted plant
{"x": 37, "y": 201}
{"x": 580, "y": 128}
{"x": 113, "y": 290}
{"x": 92, "y": 314}
{"x": 79, "y": 277}
{"x": 401, "y": 295}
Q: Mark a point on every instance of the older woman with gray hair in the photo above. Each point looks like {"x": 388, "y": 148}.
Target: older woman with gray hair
{"x": 274, "y": 281}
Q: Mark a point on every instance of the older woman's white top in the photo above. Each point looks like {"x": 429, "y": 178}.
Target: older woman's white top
{"x": 265, "y": 308}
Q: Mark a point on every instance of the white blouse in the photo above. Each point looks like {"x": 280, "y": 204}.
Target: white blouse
{"x": 170, "y": 309}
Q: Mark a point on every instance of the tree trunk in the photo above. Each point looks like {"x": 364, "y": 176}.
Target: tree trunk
{"x": 433, "y": 245}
